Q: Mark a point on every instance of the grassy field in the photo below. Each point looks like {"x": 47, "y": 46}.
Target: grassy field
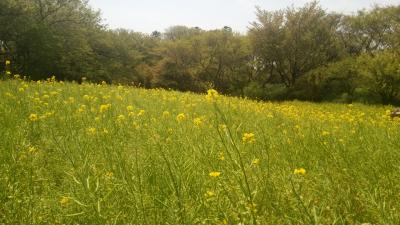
{"x": 101, "y": 154}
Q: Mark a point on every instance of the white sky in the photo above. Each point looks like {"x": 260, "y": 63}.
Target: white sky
{"x": 149, "y": 15}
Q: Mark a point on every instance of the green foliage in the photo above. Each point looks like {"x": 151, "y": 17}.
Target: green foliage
{"x": 291, "y": 42}
{"x": 100, "y": 154}
{"x": 301, "y": 53}
{"x": 382, "y": 73}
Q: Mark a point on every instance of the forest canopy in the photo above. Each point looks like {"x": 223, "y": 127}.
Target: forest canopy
{"x": 304, "y": 53}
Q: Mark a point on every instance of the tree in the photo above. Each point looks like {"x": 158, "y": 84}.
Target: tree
{"x": 289, "y": 43}
{"x": 371, "y": 31}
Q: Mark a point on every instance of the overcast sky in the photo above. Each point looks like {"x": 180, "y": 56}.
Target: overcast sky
{"x": 149, "y": 15}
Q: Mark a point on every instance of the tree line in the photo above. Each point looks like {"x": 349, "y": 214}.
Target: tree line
{"x": 304, "y": 53}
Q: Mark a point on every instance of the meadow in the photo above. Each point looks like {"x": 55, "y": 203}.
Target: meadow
{"x": 107, "y": 154}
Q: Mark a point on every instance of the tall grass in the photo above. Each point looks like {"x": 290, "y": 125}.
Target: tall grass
{"x": 101, "y": 154}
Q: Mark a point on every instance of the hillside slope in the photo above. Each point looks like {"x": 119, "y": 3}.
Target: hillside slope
{"x": 100, "y": 154}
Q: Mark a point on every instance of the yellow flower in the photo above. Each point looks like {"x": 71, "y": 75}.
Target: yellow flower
{"x": 141, "y": 112}
{"x": 212, "y": 94}
{"x": 214, "y": 174}
{"x": 325, "y": 133}
{"x": 82, "y": 108}
{"x": 8, "y": 62}
{"x": 32, "y": 150}
{"x": 129, "y": 108}
{"x": 248, "y": 138}
{"x": 8, "y": 72}
{"x": 180, "y": 117}
{"x": 91, "y": 131}
{"x": 64, "y": 200}
{"x": 120, "y": 118}
{"x": 209, "y": 194}
{"x": 166, "y": 114}
{"x": 255, "y": 162}
{"x": 197, "y": 121}
{"x": 109, "y": 175}
{"x": 33, "y": 117}
{"x": 221, "y": 156}
{"x": 300, "y": 171}
{"x": 104, "y": 108}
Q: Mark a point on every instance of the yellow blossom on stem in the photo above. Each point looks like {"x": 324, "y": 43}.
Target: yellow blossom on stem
{"x": 212, "y": 94}
{"x": 64, "y": 201}
{"x": 209, "y": 194}
{"x": 214, "y": 174}
{"x": 141, "y": 112}
{"x": 91, "y": 131}
{"x": 299, "y": 171}
{"x": 197, "y": 121}
{"x": 104, "y": 108}
{"x": 248, "y": 138}
{"x": 8, "y": 62}
{"x": 255, "y": 162}
{"x": 180, "y": 117}
{"x": 129, "y": 108}
{"x": 166, "y": 114}
{"x": 33, "y": 117}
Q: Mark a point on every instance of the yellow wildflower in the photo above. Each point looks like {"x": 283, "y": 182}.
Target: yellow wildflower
{"x": 33, "y": 117}
{"x": 104, "y": 108}
{"x": 8, "y": 62}
{"x": 197, "y": 121}
{"x": 325, "y": 133}
{"x": 209, "y": 194}
{"x": 166, "y": 114}
{"x": 91, "y": 131}
{"x": 214, "y": 174}
{"x": 109, "y": 175}
{"x": 248, "y": 138}
{"x": 120, "y": 118}
{"x": 82, "y": 108}
{"x": 141, "y": 112}
{"x": 300, "y": 171}
{"x": 212, "y": 94}
{"x": 221, "y": 156}
{"x": 32, "y": 150}
{"x": 129, "y": 108}
{"x": 255, "y": 162}
{"x": 64, "y": 200}
{"x": 180, "y": 117}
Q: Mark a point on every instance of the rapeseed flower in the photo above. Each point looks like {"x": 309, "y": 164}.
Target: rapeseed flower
{"x": 120, "y": 118}
{"x": 214, "y": 174}
{"x": 180, "y": 117}
{"x": 104, "y": 108}
{"x": 248, "y": 138}
{"x": 197, "y": 122}
{"x": 255, "y": 162}
{"x": 209, "y": 194}
{"x": 212, "y": 94}
{"x": 166, "y": 114}
{"x": 299, "y": 171}
{"x": 64, "y": 201}
{"x": 33, "y": 117}
{"x": 141, "y": 112}
{"x": 91, "y": 131}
